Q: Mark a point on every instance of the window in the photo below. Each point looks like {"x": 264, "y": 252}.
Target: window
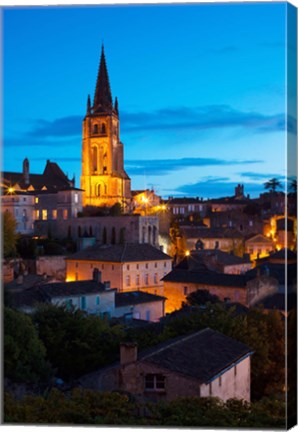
{"x": 155, "y": 382}
{"x": 127, "y": 267}
{"x": 94, "y": 158}
{"x": 146, "y": 265}
{"x": 165, "y": 264}
{"x": 95, "y": 129}
{"x": 44, "y": 214}
{"x": 68, "y": 304}
{"x": 127, "y": 280}
{"x": 137, "y": 266}
{"x": 146, "y": 279}
{"x": 65, "y": 214}
{"x": 155, "y": 265}
{"x": 76, "y": 198}
{"x": 103, "y": 128}
{"x": 36, "y": 214}
{"x": 235, "y": 370}
{"x": 54, "y": 214}
{"x": 97, "y": 301}
{"x": 24, "y": 199}
{"x": 138, "y": 279}
{"x": 36, "y": 200}
{"x": 112, "y": 266}
{"x": 155, "y": 278}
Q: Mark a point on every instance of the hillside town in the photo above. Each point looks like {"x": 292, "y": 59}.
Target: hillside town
{"x": 151, "y": 298}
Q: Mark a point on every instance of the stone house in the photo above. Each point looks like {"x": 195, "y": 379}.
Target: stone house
{"x": 128, "y": 267}
{"x": 92, "y": 296}
{"x": 258, "y": 246}
{"x": 226, "y": 240}
{"x": 235, "y": 288}
{"x": 217, "y": 260}
{"x": 206, "y": 363}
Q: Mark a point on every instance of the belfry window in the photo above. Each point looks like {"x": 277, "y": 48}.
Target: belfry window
{"x": 97, "y": 190}
{"x": 95, "y": 129}
{"x": 94, "y": 158}
{"x": 103, "y": 128}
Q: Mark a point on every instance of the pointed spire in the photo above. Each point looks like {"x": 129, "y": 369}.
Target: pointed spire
{"x": 103, "y": 95}
{"x": 88, "y": 105}
{"x": 116, "y": 105}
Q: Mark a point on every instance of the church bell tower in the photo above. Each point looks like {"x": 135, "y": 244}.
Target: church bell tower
{"x": 103, "y": 179}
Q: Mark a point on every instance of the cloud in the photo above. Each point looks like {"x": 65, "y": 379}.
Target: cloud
{"x": 209, "y": 117}
{"x": 260, "y": 176}
{"x": 202, "y": 118}
{"x": 165, "y": 166}
{"x": 61, "y": 127}
{"x": 216, "y": 187}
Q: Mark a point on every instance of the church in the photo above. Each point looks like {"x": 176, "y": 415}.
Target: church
{"x": 104, "y": 180}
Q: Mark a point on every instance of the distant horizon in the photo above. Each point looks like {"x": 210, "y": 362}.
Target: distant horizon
{"x": 201, "y": 99}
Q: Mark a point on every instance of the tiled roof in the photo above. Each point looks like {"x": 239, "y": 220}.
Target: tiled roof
{"x": 209, "y": 256}
{"x": 75, "y": 288}
{"x": 198, "y": 232}
{"x": 206, "y": 278}
{"x": 128, "y": 252}
{"x": 277, "y": 271}
{"x": 135, "y": 297}
{"x": 202, "y": 355}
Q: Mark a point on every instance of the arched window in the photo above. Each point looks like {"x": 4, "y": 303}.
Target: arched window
{"x": 94, "y": 158}
{"x": 103, "y": 128}
{"x": 95, "y": 129}
{"x": 97, "y": 190}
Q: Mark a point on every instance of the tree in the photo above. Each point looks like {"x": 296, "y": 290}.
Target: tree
{"x": 272, "y": 185}
{"x": 116, "y": 210}
{"x": 10, "y": 235}
{"x": 71, "y": 334}
{"x": 24, "y": 353}
{"x": 201, "y": 297}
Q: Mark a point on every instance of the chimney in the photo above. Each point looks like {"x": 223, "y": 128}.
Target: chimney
{"x": 107, "y": 285}
{"x": 128, "y": 353}
{"x": 96, "y": 275}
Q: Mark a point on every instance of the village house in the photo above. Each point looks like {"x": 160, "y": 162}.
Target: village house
{"x": 258, "y": 246}
{"x": 189, "y": 276}
{"x": 92, "y": 296}
{"x": 206, "y": 363}
{"x": 182, "y": 207}
{"x": 129, "y": 266}
{"x": 49, "y": 196}
{"x": 217, "y": 260}
{"x": 226, "y": 240}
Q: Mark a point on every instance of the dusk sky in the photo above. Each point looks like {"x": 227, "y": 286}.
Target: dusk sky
{"x": 201, "y": 90}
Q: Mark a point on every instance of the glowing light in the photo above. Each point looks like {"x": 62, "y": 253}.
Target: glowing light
{"x": 10, "y": 189}
{"x": 187, "y": 253}
{"x": 163, "y": 207}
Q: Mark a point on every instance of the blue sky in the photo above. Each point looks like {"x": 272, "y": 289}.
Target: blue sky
{"x": 201, "y": 91}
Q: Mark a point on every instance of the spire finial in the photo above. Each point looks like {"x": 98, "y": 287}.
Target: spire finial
{"x": 88, "y": 105}
{"x": 116, "y": 105}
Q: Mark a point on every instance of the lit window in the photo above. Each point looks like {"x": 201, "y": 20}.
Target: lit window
{"x": 137, "y": 266}
{"x": 44, "y": 214}
{"x": 76, "y": 198}
{"x": 54, "y": 214}
{"x": 36, "y": 214}
{"x": 138, "y": 280}
{"x": 127, "y": 280}
{"x": 36, "y": 200}
{"x": 155, "y": 382}
{"x": 146, "y": 279}
{"x": 65, "y": 214}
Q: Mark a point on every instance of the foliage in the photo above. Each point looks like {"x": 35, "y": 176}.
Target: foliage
{"x": 116, "y": 210}
{"x": 103, "y": 408}
{"x": 53, "y": 248}
{"x": 71, "y": 334}
{"x": 24, "y": 353}
{"x": 201, "y": 297}
{"x": 272, "y": 184}
{"x": 10, "y": 235}
{"x": 26, "y": 247}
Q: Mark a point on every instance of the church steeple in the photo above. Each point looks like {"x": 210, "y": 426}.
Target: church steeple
{"x": 103, "y": 96}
